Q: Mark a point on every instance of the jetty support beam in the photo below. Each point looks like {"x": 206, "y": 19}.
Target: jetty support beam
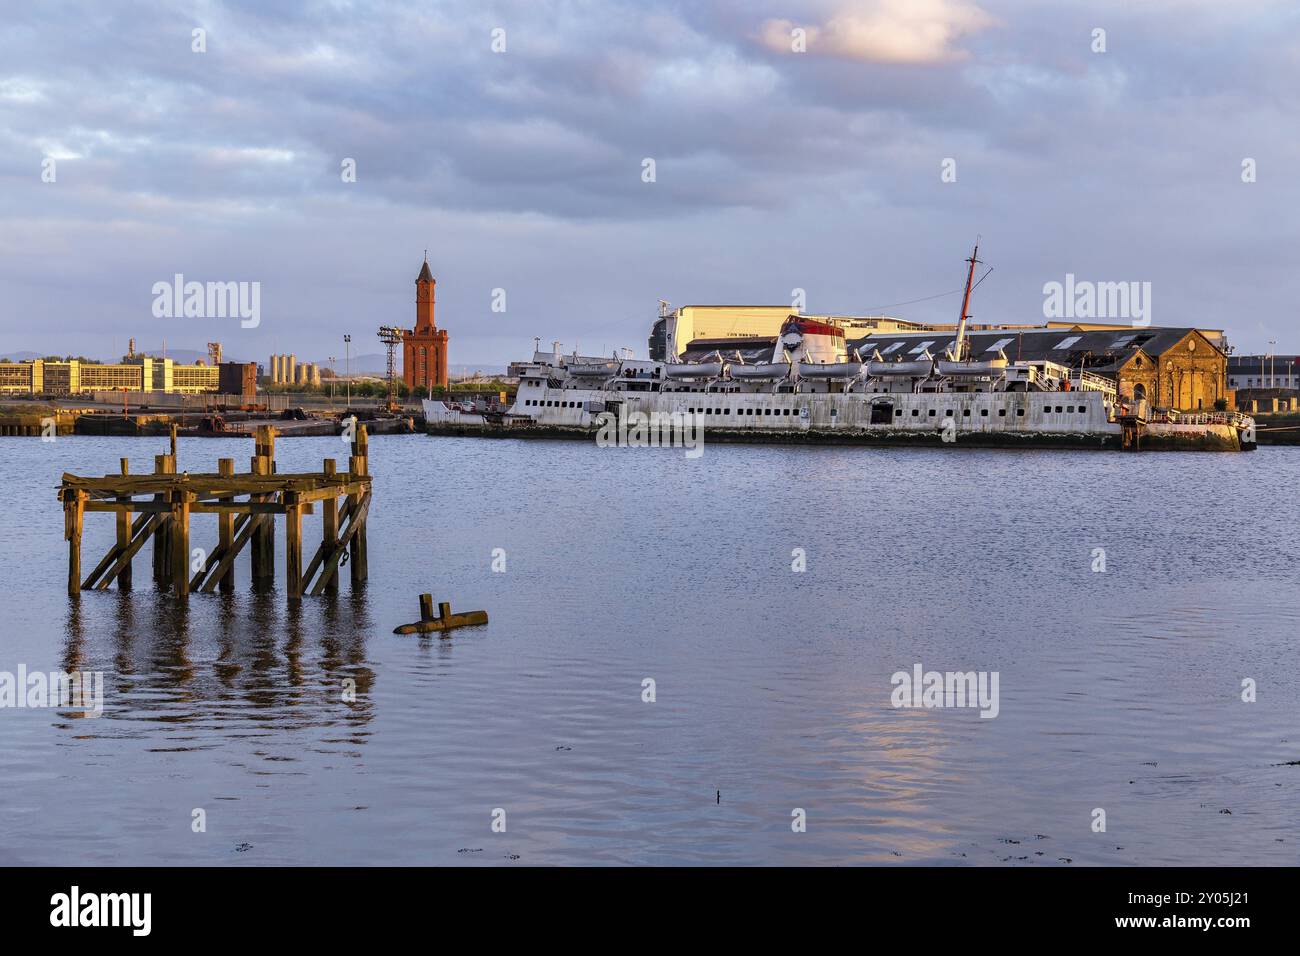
{"x": 359, "y": 466}
{"x": 124, "y": 533}
{"x": 74, "y": 511}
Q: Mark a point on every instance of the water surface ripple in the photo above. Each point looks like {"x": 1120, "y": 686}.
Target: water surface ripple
{"x": 1118, "y": 690}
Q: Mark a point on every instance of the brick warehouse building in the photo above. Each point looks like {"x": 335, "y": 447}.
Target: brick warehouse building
{"x": 424, "y": 348}
{"x": 1179, "y": 368}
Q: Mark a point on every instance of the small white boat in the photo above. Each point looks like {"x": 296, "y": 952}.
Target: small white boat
{"x": 593, "y": 369}
{"x": 693, "y": 369}
{"x": 982, "y": 368}
{"x": 764, "y": 372}
{"x": 921, "y": 367}
{"x": 830, "y": 369}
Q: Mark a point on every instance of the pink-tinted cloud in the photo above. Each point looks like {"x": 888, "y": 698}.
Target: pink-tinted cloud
{"x": 883, "y": 31}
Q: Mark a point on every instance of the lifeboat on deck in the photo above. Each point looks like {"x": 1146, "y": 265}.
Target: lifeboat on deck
{"x": 593, "y": 369}
{"x": 975, "y": 368}
{"x": 710, "y": 369}
{"x": 763, "y": 372}
{"x": 829, "y": 369}
{"x": 921, "y": 367}
{"x": 759, "y": 372}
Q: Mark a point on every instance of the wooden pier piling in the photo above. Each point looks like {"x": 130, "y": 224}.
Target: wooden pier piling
{"x": 226, "y": 526}
{"x": 124, "y": 531}
{"x": 358, "y": 465}
{"x": 330, "y": 529}
{"x": 74, "y": 510}
{"x": 180, "y": 544}
{"x": 162, "y": 465}
{"x": 264, "y": 529}
{"x": 158, "y": 507}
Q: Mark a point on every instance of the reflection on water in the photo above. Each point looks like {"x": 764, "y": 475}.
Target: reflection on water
{"x": 238, "y": 663}
{"x": 312, "y": 734}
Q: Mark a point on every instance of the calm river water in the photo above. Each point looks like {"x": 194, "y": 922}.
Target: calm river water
{"x": 1119, "y": 691}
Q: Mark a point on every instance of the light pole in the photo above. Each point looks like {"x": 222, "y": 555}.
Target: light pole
{"x": 347, "y": 366}
{"x": 332, "y": 377}
{"x": 1271, "y": 363}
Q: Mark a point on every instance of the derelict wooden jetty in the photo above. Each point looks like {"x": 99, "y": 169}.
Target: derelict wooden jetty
{"x": 159, "y": 507}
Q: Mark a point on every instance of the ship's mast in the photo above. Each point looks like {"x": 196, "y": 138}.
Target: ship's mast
{"x": 960, "y": 353}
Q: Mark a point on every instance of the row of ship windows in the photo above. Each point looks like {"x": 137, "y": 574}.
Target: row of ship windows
{"x": 984, "y": 412}
{"x": 743, "y": 411}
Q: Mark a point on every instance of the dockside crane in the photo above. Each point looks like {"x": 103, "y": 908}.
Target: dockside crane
{"x": 391, "y": 337}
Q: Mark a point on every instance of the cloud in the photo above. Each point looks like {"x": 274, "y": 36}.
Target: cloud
{"x": 522, "y": 170}
{"x": 886, "y": 31}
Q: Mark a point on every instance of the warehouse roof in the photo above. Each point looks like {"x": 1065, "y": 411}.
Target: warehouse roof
{"x": 1099, "y": 349}
{"x": 1063, "y": 346}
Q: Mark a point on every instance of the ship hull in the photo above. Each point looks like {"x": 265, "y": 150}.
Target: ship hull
{"x": 947, "y": 419}
{"x": 866, "y": 438}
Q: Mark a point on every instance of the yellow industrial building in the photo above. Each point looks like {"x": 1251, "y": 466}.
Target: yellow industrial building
{"x": 74, "y": 377}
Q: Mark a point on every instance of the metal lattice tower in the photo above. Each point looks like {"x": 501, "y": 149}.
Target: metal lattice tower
{"x": 391, "y": 337}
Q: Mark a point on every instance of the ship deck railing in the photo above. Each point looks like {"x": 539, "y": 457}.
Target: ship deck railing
{"x": 1236, "y": 419}
{"x": 1090, "y": 381}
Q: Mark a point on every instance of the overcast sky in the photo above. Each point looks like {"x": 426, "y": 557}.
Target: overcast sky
{"x": 522, "y": 170}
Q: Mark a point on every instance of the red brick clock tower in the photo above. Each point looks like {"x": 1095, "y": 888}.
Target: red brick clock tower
{"x": 424, "y": 348}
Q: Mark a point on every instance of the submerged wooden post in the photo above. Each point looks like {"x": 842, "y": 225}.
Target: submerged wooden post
{"x": 180, "y": 541}
{"x": 330, "y": 524}
{"x": 175, "y": 565}
{"x": 358, "y": 465}
{"x": 124, "y": 533}
{"x": 257, "y": 549}
{"x": 162, "y": 538}
{"x": 445, "y": 621}
{"x": 264, "y": 532}
{"x": 73, "y": 513}
{"x": 293, "y": 545}
{"x": 158, "y": 469}
{"x": 267, "y": 442}
{"x": 226, "y": 525}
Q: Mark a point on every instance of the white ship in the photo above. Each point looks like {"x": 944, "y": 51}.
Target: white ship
{"x": 812, "y": 388}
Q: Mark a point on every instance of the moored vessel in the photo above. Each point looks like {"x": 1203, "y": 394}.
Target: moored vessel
{"x": 813, "y": 387}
